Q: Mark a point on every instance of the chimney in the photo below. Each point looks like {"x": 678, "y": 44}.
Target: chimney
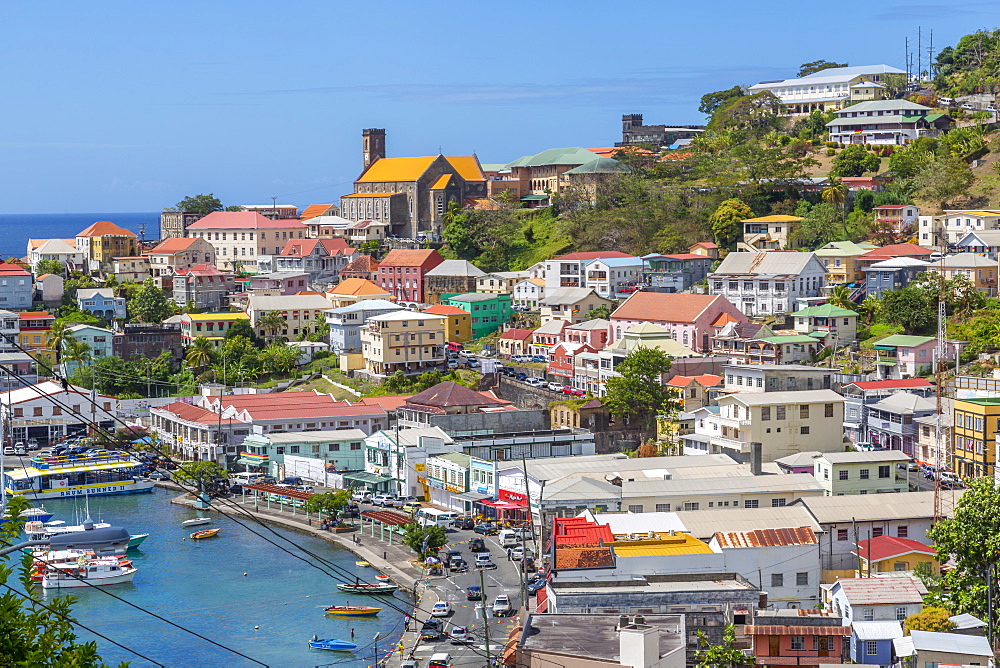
{"x": 639, "y": 620}
{"x": 639, "y": 646}
{"x": 622, "y": 621}
{"x": 762, "y": 601}
{"x": 755, "y": 457}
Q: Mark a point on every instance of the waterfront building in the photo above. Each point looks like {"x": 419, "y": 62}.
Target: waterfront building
{"x": 103, "y": 241}
{"x": 338, "y": 449}
{"x": 38, "y": 412}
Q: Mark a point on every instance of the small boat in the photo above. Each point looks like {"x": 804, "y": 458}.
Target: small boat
{"x": 196, "y": 521}
{"x": 353, "y": 610}
{"x": 205, "y": 533}
{"x": 365, "y": 588}
{"x": 135, "y": 540}
{"x": 382, "y": 577}
{"x": 332, "y": 644}
{"x": 362, "y": 564}
{"x": 86, "y": 570}
{"x": 36, "y": 530}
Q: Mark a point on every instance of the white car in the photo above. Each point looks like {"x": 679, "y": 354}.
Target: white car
{"x": 501, "y": 606}
{"x": 459, "y": 635}
{"x": 441, "y": 609}
{"x": 385, "y": 500}
{"x": 534, "y": 382}
{"x": 555, "y": 387}
{"x": 363, "y": 497}
{"x": 8, "y": 449}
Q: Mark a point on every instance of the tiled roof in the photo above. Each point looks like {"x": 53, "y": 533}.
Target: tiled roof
{"x": 192, "y": 413}
{"x": 171, "y": 246}
{"x": 387, "y": 403}
{"x": 897, "y": 250}
{"x": 314, "y": 210}
{"x": 883, "y": 590}
{"x": 723, "y": 320}
{"x": 767, "y": 537}
{"x": 663, "y": 307}
{"x": 356, "y": 286}
{"x": 448, "y": 393}
{"x": 444, "y": 309}
{"x": 243, "y": 220}
{"x": 516, "y": 334}
{"x": 404, "y": 257}
{"x": 884, "y": 547}
{"x": 759, "y": 630}
{"x": 362, "y": 263}
{"x": 8, "y": 269}
{"x": 584, "y": 557}
{"x": 203, "y": 270}
{"x": 105, "y": 228}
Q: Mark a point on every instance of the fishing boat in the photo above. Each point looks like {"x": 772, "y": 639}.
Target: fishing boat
{"x": 98, "y": 571}
{"x": 362, "y": 564}
{"x": 332, "y": 644}
{"x": 381, "y": 577}
{"x": 353, "y": 610}
{"x": 205, "y": 533}
{"x": 109, "y": 472}
{"x": 37, "y": 531}
{"x": 365, "y": 588}
{"x": 196, "y": 521}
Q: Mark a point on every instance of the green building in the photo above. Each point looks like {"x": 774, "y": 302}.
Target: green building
{"x": 489, "y": 310}
{"x": 338, "y": 449}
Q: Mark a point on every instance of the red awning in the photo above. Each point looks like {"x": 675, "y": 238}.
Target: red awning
{"x": 506, "y": 505}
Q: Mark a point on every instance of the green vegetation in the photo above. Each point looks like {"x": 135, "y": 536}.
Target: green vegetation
{"x": 638, "y": 392}
{"x": 724, "y": 655}
{"x": 150, "y": 304}
{"x": 817, "y": 66}
{"x": 971, "y": 66}
{"x": 50, "y": 267}
{"x": 425, "y": 541}
{"x": 329, "y": 503}
{"x": 203, "y": 204}
{"x": 931, "y": 618}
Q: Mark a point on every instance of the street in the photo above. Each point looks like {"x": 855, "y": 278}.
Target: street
{"x": 475, "y": 615}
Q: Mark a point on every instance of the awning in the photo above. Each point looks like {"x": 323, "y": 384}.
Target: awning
{"x": 251, "y": 462}
{"x": 534, "y": 198}
{"x": 471, "y": 496}
{"x": 505, "y": 505}
{"x": 367, "y": 478}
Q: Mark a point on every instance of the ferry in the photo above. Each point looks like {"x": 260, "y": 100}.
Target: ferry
{"x": 65, "y": 477}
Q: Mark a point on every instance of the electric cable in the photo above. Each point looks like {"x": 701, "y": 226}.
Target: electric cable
{"x": 74, "y": 622}
{"x": 245, "y": 512}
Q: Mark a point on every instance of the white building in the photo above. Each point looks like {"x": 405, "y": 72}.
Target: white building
{"x": 396, "y": 460}
{"x": 824, "y": 90}
{"x": 55, "y": 249}
{"x": 528, "y": 293}
{"x": 767, "y": 283}
{"x": 607, "y": 276}
{"x": 879, "y": 599}
{"x": 785, "y": 562}
{"x": 883, "y": 122}
{"x": 957, "y": 223}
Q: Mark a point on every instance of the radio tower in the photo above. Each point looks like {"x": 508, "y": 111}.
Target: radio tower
{"x": 944, "y": 499}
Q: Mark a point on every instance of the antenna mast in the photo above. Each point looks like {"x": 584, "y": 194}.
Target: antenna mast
{"x": 944, "y": 500}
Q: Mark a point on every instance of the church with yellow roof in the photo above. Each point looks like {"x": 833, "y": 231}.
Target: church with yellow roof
{"x": 411, "y": 194}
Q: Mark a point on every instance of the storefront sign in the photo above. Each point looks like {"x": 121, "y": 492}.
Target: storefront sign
{"x": 436, "y": 484}
{"x": 453, "y": 488}
{"x": 513, "y": 496}
{"x": 482, "y": 489}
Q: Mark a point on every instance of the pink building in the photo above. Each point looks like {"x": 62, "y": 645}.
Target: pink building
{"x": 594, "y": 333}
{"x": 561, "y": 358}
{"x": 285, "y": 283}
{"x": 902, "y": 356}
{"x": 690, "y": 319}
{"x": 401, "y": 272}
{"x": 547, "y": 336}
{"x": 798, "y": 638}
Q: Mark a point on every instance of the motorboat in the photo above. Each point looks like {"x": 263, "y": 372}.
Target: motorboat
{"x": 36, "y": 530}
{"x": 362, "y": 564}
{"x": 85, "y": 571}
{"x": 197, "y": 521}
{"x": 365, "y": 588}
{"x": 332, "y": 644}
{"x": 205, "y": 533}
{"x": 353, "y": 610}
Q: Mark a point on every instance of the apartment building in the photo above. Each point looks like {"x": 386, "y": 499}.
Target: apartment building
{"x": 772, "y": 232}
{"x": 16, "y": 286}
{"x": 302, "y": 314}
{"x": 767, "y": 283}
{"x": 402, "y": 272}
{"x": 870, "y": 472}
{"x": 104, "y": 240}
{"x": 173, "y": 255}
{"x": 240, "y": 237}
{"x": 212, "y": 326}
{"x": 976, "y": 424}
{"x": 403, "y": 341}
{"x": 203, "y": 285}
{"x": 347, "y": 322}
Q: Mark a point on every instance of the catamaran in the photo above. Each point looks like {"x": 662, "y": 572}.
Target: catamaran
{"x": 64, "y": 477}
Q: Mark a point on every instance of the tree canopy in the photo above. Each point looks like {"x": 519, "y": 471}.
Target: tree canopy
{"x": 931, "y": 618}
{"x": 726, "y": 221}
{"x": 639, "y": 391}
{"x": 854, "y": 160}
{"x": 204, "y": 204}
{"x": 712, "y": 101}
{"x": 425, "y": 541}
{"x": 815, "y": 66}
{"x": 150, "y": 304}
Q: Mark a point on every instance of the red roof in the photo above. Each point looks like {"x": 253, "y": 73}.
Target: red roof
{"x": 705, "y": 244}
{"x": 105, "y": 228}
{"x": 202, "y": 270}
{"x": 891, "y": 384}
{"x": 887, "y": 547}
{"x": 35, "y": 315}
{"x": 362, "y": 263}
{"x": 665, "y": 307}
{"x": 314, "y": 210}
{"x": 171, "y": 246}
{"x": 517, "y": 334}
{"x": 592, "y": 255}
{"x": 416, "y": 257}
{"x": 705, "y": 379}
{"x": 444, "y": 309}
{"x": 303, "y": 247}
{"x": 687, "y": 256}
{"x": 242, "y": 220}
{"x": 387, "y": 403}
{"x": 7, "y": 269}
{"x": 898, "y": 250}
{"x": 192, "y": 413}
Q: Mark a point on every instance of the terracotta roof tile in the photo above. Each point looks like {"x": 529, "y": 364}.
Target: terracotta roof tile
{"x": 663, "y": 307}
{"x": 171, "y": 246}
{"x": 448, "y": 393}
{"x": 362, "y": 263}
{"x": 356, "y": 286}
{"x": 416, "y": 257}
{"x": 104, "y": 228}
{"x": 444, "y": 309}
{"x": 517, "y": 334}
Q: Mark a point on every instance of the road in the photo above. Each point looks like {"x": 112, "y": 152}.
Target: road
{"x": 505, "y": 579}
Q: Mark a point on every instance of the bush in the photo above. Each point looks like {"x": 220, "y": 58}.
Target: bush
{"x": 831, "y": 151}
{"x": 830, "y": 144}
{"x": 323, "y": 354}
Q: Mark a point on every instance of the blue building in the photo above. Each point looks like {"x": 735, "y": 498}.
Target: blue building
{"x": 892, "y": 274}
{"x": 17, "y": 289}
{"x": 675, "y": 273}
{"x": 101, "y": 302}
{"x": 871, "y": 642}
{"x": 98, "y": 338}
{"x": 346, "y": 323}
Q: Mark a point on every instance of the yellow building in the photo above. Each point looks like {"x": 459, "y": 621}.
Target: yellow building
{"x": 890, "y": 554}
{"x": 975, "y": 436}
{"x": 981, "y": 271}
{"x": 103, "y": 241}
{"x": 404, "y": 341}
{"x": 841, "y": 261}
{"x": 212, "y": 326}
{"x": 771, "y": 232}
{"x": 133, "y": 269}
{"x": 34, "y": 335}
{"x": 458, "y": 327}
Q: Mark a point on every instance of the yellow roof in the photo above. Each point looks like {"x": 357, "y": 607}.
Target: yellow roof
{"x": 396, "y": 169}
{"x": 984, "y": 214}
{"x": 681, "y": 543}
{"x": 774, "y": 219}
{"x": 442, "y": 182}
{"x": 235, "y": 315}
{"x": 467, "y": 167}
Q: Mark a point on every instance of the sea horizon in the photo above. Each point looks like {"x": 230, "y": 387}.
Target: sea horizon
{"x": 17, "y": 228}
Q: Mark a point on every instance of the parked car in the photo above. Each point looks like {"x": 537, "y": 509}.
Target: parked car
{"x": 33, "y": 444}
{"x": 555, "y": 387}
{"x": 535, "y": 585}
{"x": 464, "y": 523}
{"x": 517, "y": 553}
{"x": 518, "y": 375}
{"x": 459, "y": 635}
{"x": 293, "y": 480}
{"x": 572, "y": 391}
{"x": 44, "y": 454}
{"x": 473, "y": 363}
{"x": 478, "y": 545}
{"x": 528, "y": 564}
{"x": 8, "y": 449}
{"x": 520, "y": 358}
{"x": 522, "y": 532}
{"x": 386, "y": 501}
{"x": 20, "y": 448}
{"x": 534, "y": 382}
{"x": 161, "y": 475}
{"x": 441, "y": 609}
{"x": 539, "y": 358}
{"x": 351, "y": 511}
{"x": 473, "y": 593}
{"x": 411, "y": 507}
{"x": 501, "y": 606}
{"x": 362, "y": 496}
{"x": 486, "y": 529}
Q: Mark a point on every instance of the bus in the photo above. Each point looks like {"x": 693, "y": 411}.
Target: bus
{"x": 431, "y": 516}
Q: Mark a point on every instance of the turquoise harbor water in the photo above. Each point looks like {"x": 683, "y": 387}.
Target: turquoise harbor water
{"x": 200, "y": 585}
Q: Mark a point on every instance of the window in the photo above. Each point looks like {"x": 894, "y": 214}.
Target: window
{"x": 828, "y": 410}
{"x": 777, "y": 579}
{"x": 663, "y": 507}
{"x": 751, "y": 503}
{"x": 688, "y": 505}
{"x": 803, "y": 430}
{"x": 779, "y": 412}
{"x": 798, "y": 642}
{"x": 778, "y": 503}
{"x": 868, "y": 615}
{"x": 901, "y": 614}
{"x": 877, "y": 531}
{"x": 803, "y": 411}
{"x": 841, "y": 534}
{"x": 635, "y": 509}
{"x": 842, "y": 475}
{"x": 883, "y": 472}
{"x": 334, "y": 447}
{"x": 902, "y": 531}
{"x": 871, "y": 647}
{"x": 765, "y": 412}
{"x": 864, "y": 474}
{"x": 802, "y": 579}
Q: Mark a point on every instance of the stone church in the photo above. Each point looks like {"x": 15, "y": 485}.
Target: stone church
{"x": 412, "y": 194}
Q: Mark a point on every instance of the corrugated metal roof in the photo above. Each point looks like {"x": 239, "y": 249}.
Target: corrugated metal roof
{"x": 767, "y": 537}
{"x": 951, "y": 643}
{"x": 751, "y": 630}
{"x": 877, "y": 630}
{"x": 667, "y": 545}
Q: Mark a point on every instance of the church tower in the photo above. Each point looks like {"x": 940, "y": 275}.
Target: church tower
{"x": 372, "y": 145}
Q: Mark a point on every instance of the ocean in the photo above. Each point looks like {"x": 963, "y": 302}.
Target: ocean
{"x": 269, "y": 614}
{"x": 17, "y": 228}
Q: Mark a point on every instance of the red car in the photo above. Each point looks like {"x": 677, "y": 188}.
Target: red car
{"x": 628, "y": 288}
{"x": 573, "y": 392}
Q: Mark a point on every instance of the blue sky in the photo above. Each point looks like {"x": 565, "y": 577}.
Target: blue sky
{"x": 129, "y": 106}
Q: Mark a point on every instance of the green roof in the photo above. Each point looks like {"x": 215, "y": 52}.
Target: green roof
{"x": 492, "y": 166}
{"x": 600, "y": 166}
{"x": 534, "y": 198}
{"x": 904, "y": 340}
{"x": 459, "y": 458}
{"x": 982, "y": 401}
{"x": 470, "y": 297}
{"x": 555, "y": 156}
{"x": 843, "y": 248}
{"x": 824, "y": 311}
{"x": 788, "y": 338}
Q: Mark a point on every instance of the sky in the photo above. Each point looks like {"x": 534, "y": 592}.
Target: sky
{"x": 130, "y": 106}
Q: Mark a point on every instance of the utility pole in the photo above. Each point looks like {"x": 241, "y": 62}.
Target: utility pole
{"x": 486, "y": 620}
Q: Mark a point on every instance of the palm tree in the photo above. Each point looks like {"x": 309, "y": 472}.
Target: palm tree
{"x": 57, "y": 335}
{"x": 841, "y": 296}
{"x": 836, "y": 194}
{"x": 871, "y": 307}
{"x": 75, "y": 351}
{"x": 272, "y": 322}
{"x": 200, "y": 353}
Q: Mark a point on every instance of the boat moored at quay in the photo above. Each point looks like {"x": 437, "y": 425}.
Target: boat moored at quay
{"x": 94, "y": 474}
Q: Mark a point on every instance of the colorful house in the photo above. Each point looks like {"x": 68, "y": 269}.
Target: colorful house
{"x": 401, "y": 272}
{"x": 901, "y": 356}
{"x": 689, "y": 318}
{"x": 889, "y": 554}
{"x": 458, "y": 326}
{"x": 514, "y": 342}
{"x": 975, "y": 435}
{"x": 871, "y": 642}
{"x": 798, "y": 637}
{"x": 489, "y": 310}
{"x": 212, "y": 326}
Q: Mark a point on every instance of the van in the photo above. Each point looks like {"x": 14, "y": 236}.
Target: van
{"x": 244, "y": 478}
{"x": 439, "y": 660}
{"x": 508, "y": 538}
{"x": 430, "y": 516}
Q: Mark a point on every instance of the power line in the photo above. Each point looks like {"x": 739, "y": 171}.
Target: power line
{"x": 82, "y": 626}
{"x": 351, "y": 578}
